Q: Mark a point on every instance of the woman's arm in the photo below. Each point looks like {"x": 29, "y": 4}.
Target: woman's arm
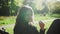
{"x": 42, "y": 29}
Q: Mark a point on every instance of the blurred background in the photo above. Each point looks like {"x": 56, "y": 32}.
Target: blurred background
{"x": 45, "y": 10}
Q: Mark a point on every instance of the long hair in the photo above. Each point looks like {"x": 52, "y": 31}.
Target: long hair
{"x": 24, "y": 17}
{"x": 26, "y": 13}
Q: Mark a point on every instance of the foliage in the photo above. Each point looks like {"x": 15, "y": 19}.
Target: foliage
{"x": 14, "y": 5}
{"x": 4, "y": 8}
{"x": 54, "y": 7}
{"x": 17, "y": 4}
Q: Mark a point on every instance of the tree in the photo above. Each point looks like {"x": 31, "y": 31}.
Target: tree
{"x": 54, "y": 7}
{"x": 4, "y": 8}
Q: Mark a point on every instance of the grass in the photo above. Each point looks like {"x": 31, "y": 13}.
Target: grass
{"x": 55, "y": 15}
{"x": 9, "y": 30}
{"x": 47, "y": 24}
{"x": 11, "y": 20}
{"x": 7, "y": 20}
{"x": 39, "y": 17}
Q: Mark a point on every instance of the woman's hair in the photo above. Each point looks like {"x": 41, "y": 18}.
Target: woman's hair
{"x": 26, "y": 13}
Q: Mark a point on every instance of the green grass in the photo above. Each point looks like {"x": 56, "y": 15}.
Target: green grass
{"x": 9, "y": 30}
{"x": 55, "y": 15}
{"x": 47, "y": 25}
{"x": 7, "y": 20}
{"x": 11, "y": 20}
{"x": 39, "y": 17}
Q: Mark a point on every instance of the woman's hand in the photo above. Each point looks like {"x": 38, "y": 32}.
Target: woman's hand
{"x": 41, "y": 24}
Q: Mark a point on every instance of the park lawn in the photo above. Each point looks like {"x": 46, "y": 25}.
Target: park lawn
{"x": 12, "y": 20}
{"x": 39, "y": 17}
{"x": 9, "y": 30}
{"x": 47, "y": 25}
{"x": 4, "y": 20}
